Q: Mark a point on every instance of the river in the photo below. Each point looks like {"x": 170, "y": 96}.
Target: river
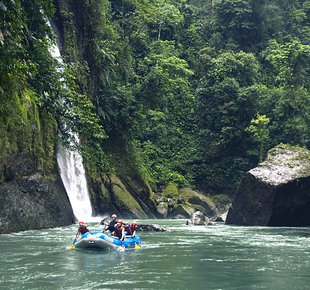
{"x": 201, "y": 257}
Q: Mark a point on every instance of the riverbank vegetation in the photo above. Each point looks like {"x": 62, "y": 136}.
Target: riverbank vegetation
{"x": 175, "y": 83}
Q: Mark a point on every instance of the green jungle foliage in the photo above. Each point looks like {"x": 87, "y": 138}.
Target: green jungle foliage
{"x": 180, "y": 82}
{"x": 32, "y": 82}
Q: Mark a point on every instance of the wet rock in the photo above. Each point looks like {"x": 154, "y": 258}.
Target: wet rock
{"x": 171, "y": 202}
{"x": 198, "y": 219}
{"x": 277, "y": 192}
{"x": 222, "y": 217}
{"x": 183, "y": 202}
{"x": 152, "y": 228}
{"x": 33, "y": 202}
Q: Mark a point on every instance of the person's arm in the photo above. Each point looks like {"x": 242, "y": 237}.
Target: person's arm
{"x": 123, "y": 234}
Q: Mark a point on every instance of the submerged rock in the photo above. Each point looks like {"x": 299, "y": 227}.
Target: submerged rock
{"x": 277, "y": 192}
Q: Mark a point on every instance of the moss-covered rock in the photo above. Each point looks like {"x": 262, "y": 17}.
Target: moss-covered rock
{"x": 171, "y": 191}
{"x": 113, "y": 196}
{"x": 123, "y": 200}
{"x": 184, "y": 196}
{"x": 277, "y": 192}
{"x": 31, "y": 192}
{"x": 195, "y": 198}
{"x": 183, "y": 210}
{"x": 125, "y": 179}
{"x": 162, "y": 209}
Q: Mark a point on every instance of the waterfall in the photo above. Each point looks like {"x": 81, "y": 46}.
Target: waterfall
{"x": 71, "y": 168}
{"x": 72, "y": 173}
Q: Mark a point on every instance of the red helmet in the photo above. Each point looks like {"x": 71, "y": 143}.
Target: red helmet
{"x": 82, "y": 224}
{"x": 119, "y": 221}
{"x": 134, "y": 225}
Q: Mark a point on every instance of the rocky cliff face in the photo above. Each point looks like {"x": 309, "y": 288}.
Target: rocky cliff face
{"x": 113, "y": 195}
{"x": 277, "y": 192}
{"x": 31, "y": 193}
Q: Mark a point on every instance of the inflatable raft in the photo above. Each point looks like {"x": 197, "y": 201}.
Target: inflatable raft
{"x": 104, "y": 241}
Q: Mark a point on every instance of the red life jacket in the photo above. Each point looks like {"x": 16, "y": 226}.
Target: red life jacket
{"x": 83, "y": 229}
{"x": 130, "y": 229}
{"x": 118, "y": 231}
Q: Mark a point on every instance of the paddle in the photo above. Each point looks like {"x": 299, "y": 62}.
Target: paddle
{"x": 72, "y": 246}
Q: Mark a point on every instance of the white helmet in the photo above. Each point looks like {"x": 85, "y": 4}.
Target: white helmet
{"x": 114, "y": 216}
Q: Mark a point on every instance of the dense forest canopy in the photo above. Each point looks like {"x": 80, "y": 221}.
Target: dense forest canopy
{"x": 198, "y": 91}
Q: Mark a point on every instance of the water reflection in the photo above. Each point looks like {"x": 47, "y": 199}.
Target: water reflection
{"x": 81, "y": 259}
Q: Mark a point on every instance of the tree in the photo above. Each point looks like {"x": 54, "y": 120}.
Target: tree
{"x": 287, "y": 74}
{"x": 234, "y": 22}
{"x": 168, "y": 17}
{"x": 260, "y": 132}
{"x": 227, "y": 98}
{"x": 167, "y": 110}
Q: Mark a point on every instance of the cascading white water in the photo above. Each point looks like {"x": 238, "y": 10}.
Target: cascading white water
{"x": 72, "y": 171}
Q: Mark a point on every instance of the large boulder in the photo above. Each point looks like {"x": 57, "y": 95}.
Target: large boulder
{"x": 199, "y": 219}
{"x": 33, "y": 202}
{"x": 277, "y": 192}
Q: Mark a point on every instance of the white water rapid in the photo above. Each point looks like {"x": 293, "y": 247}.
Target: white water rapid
{"x": 72, "y": 171}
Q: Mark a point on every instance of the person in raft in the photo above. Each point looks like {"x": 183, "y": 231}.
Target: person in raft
{"x": 83, "y": 228}
{"x": 119, "y": 231}
{"x": 131, "y": 230}
{"x": 111, "y": 226}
